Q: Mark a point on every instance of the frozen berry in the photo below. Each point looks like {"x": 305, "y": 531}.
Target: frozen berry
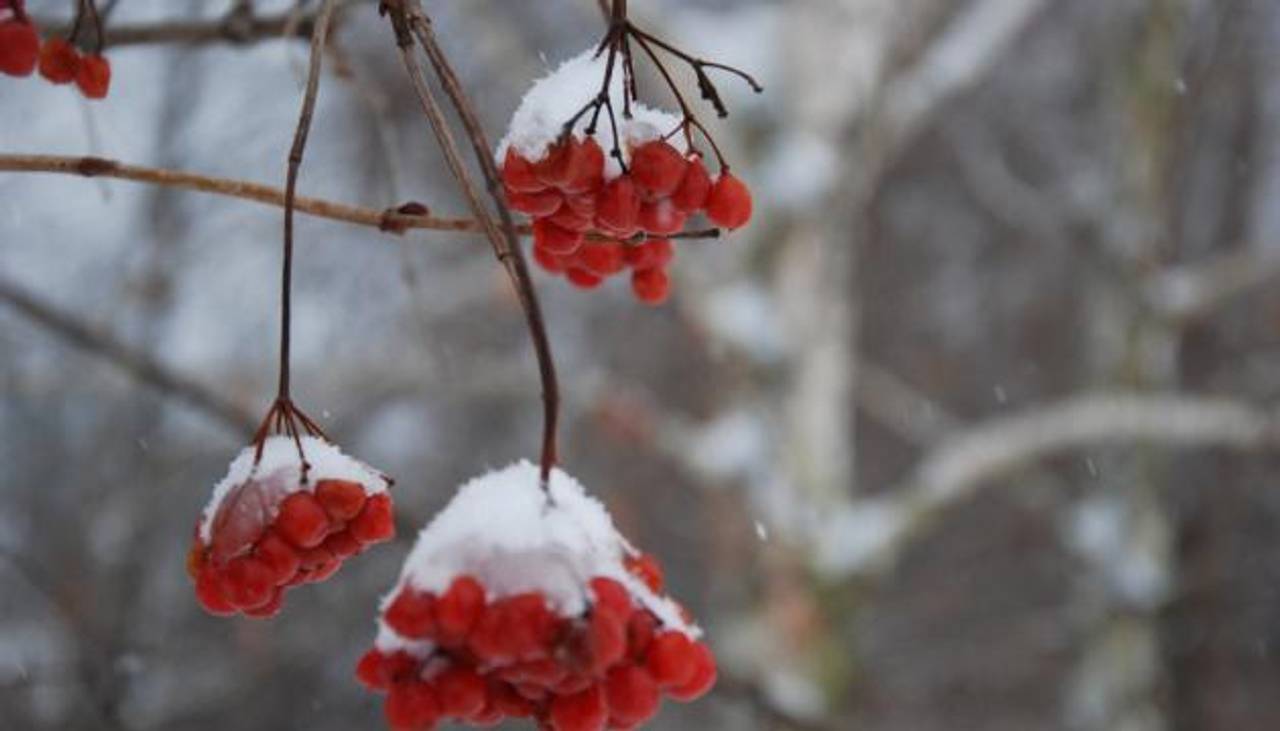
{"x": 19, "y": 48}
{"x": 555, "y": 239}
{"x": 270, "y": 609}
{"x": 618, "y": 207}
{"x": 693, "y": 191}
{"x": 341, "y": 499}
{"x": 670, "y": 659}
{"x": 645, "y": 566}
{"x": 641, "y": 628}
{"x": 657, "y": 169}
{"x": 729, "y": 204}
{"x": 458, "y": 609}
{"x": 651, "y": 286}
{"x": 584, "y": 711}
{"x": 412, "y": 706}
{"x": 661, "y": 217}
{"x": 375, "y": 523}
{"x": 276, "y": 553}
{"x": 59, "y": 61}
{"x": 604, "y": 258}
{"x": 547, "y": 260}
{"x": 94, "y": 76}
{"x": 517, "y": 174}
{"x": 702, "y": 678}
{"x": 302, "y": 521}
{"x": 632, "y": 695}
{"x": 571, "y": 165}
{"x": 209, "y": 593}
{"x": 610, "y": 596}
{"x": 342, "y": 544}
{"x": 568, "y": 218}
{"x": 537, "y": 204}
{"x": 461, "y": 691}
{"x": 412, "y": 614}
{"x": 652, "y": 254}
{"x": 583, "y": 278}
{"x": 248, "y": 583}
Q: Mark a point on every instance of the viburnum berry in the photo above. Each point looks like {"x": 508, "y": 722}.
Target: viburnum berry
{"x": 691, "y": 195}
{"x": 265, "y": 529}
{"x": 657, "y": 169}
{"x": 19, "y": 48}
{"x": 583, "y": 278}
{"x": 729, "y": 203}
{"x": 94, "y": 76}
{"x": 651, "y": 286}
{"x": 59, "y": 61}
{"x": 492, "y": 619}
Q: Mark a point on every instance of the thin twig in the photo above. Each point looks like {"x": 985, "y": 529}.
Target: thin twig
{"x": 139, "y": 365}
{"x": 236, "y": 26}
{"x": 391, "y": 221}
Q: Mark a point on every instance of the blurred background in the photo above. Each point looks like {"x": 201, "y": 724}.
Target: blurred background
{"x": 972, "y": 428}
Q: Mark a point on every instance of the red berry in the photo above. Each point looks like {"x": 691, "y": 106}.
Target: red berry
{"x": 583, "y": 278}
{"x": 692, "y": 194}
{"x": 378, "y": 671}
{"x": 568, "y": 218}
{"x": 489, "y": 717}
{"x": 657, "y": 169}
{"x": 268, "y": 610}
{"x": 603, "y": 257}
{"x": 550, "y": 262}
{"x": 275, "y": 552}
{"x": 517, "y": 174}
{"x": 376, "y": 522}
{"x": 584, "y": 711}
{"x": 555, "y": 239}
{"x": 653, "y": 254}
{"x": 462, "y": 692}
{"x": 729, "y": 204}
{"x": 412, "y": 706}
{"x": 248, "y": 583}
{"x": 508, "y": 701}
{"x": 341, "y": 499}
{"x": 610, "y": 596}
{"x": 412, "y": 614}
{"x": 572, "y": 165}
{"x": 342, "y": 544}
{"x": 702, "y": 679}
{"x": 458, "y": 609}
{"x": 302, "y": 521}
{"x": 646, "y": 568}
{"x": 19, "y": 48}
{"x": 651, "y": 286}
{"x": 196, "y": 558}
{"x": 209, "y": 593}
{"x": 59, "y": 61}
{"x": 325, "y": 570}
{"x": 632, "y": 695}
{"x": 94, "y": 76}
{"x": 583, "y": 204}
{"x": 618, "y": 207}
{"x": 314, "y": 558}
{"x": 671, "y": 659}
{"x": 661, "y": 217}
{"x": 537, "y": 204}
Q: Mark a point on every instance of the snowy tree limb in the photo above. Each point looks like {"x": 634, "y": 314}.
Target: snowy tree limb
{"x": 138, "y": 365}
{"x": 1194, "y": 291}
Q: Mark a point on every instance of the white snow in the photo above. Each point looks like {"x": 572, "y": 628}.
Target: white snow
{"x": 502, "y": 529}
{"x": 281, "y": 469}
{"x": 554, "y": 99}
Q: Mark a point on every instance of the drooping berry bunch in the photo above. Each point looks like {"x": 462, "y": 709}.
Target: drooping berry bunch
{"x": 590, "y": 229}
{"x": 59, "y": 61}
{"x": 280, "y": 519}
{"x": 494, "y": 617}
{"x": 606, "y": 195}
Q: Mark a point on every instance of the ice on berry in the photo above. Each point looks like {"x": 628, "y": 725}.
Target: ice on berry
{"x": 274, "y": 522}
{"x": 520, "y": 602}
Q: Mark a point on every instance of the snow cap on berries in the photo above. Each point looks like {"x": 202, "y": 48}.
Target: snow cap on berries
{"x": 504, "y": 530}
{"x": 553, "y": 100}
{"x": 281, "y": 470}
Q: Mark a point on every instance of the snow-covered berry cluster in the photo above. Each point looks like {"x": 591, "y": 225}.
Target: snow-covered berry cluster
{"x": 60, "y": 62}
{"x": 522, "y": 603}
{"x": 604, "y": 200}
{"x": 273, "y": 524}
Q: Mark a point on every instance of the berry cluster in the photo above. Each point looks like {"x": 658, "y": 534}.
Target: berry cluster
{"x": 272, "y": 531}
{"x": 60, "y": 62}
{"x": 589, "y": 228}
{"x": 513, "y": 657}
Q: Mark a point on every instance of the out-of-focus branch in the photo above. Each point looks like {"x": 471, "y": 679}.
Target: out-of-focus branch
{"x": 899, "y": 407}
{"x": 239, "y": 25}
{"x": 743, "y": 690}
{"x": 972, "y": 458}
{"x": 140, "y": 366}
{"x": 1193, "y": 291}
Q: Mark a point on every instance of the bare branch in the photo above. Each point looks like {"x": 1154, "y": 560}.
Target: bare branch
{"x": 139, "y": 365}
{"x": 1191, "y": 292}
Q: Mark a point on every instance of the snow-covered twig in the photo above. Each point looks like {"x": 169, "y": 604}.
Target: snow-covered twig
{"x": 139, "y": 365}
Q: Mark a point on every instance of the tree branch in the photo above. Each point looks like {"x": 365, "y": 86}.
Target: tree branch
{"x": 1190, "y": 292}
{"x": 138, "y": 365}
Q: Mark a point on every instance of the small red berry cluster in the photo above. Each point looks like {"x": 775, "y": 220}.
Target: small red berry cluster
{"x": 60, "y": 62}
{"x": 312, "y": 534}
{"x": 589, "y": 228}
{"x": 513, "y": 657}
